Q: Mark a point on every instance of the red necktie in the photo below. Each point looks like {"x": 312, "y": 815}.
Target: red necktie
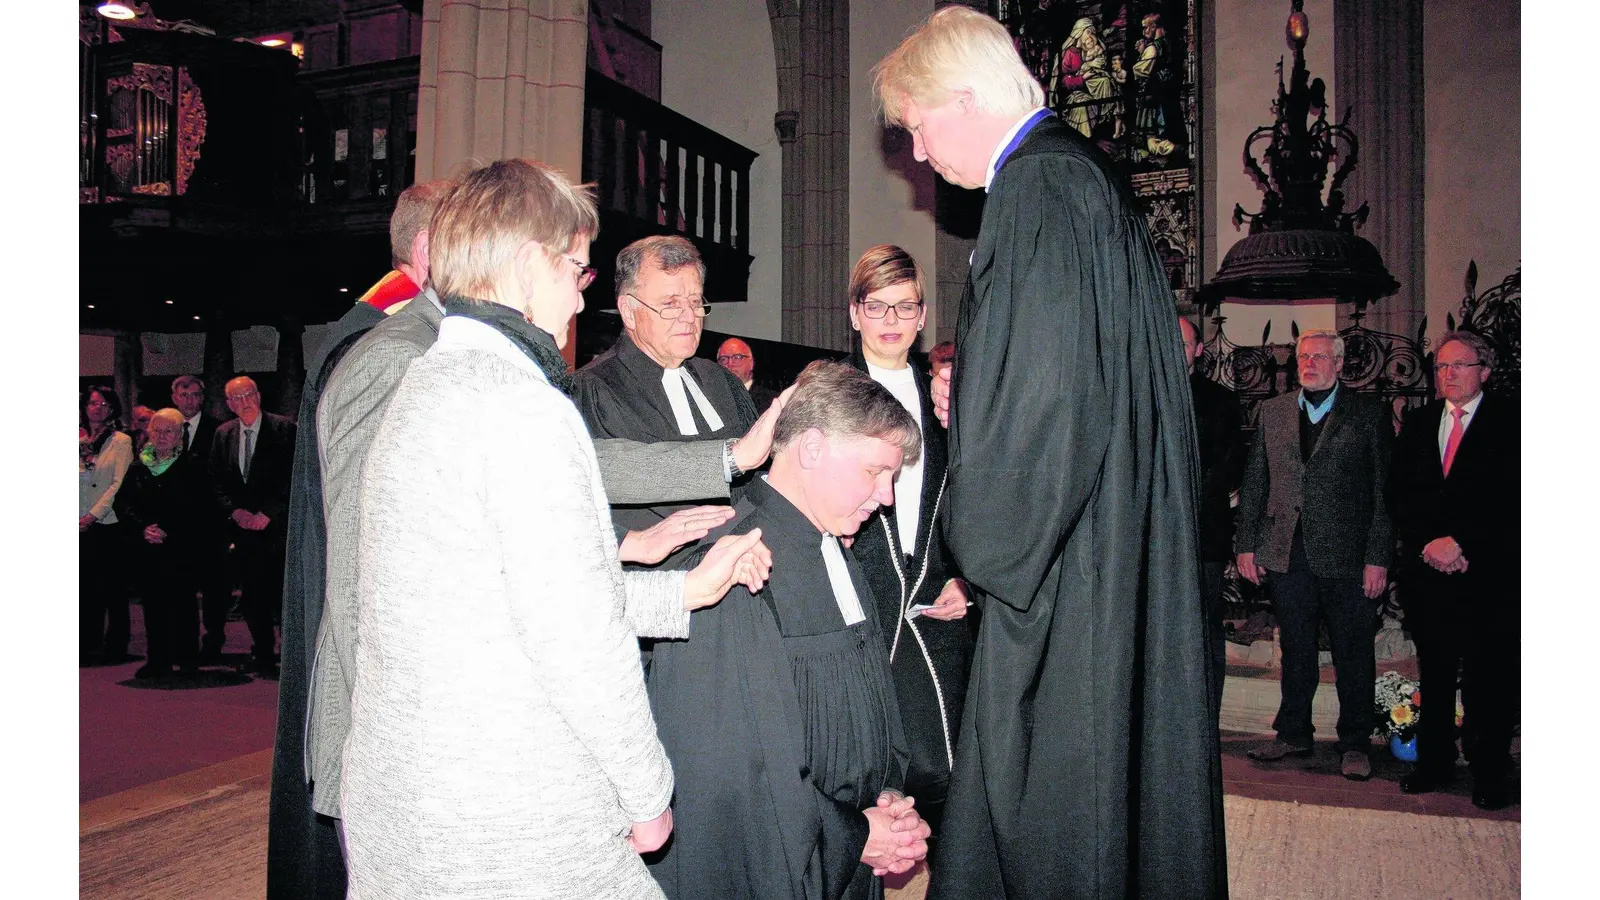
{"x": 1453, "y": 442}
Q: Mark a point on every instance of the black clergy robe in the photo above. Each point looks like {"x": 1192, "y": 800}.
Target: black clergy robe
{"x": 304, "y": 858}
{"x": 620, "y": 395}
{"x": 1088, "y": 761}
{"x": 782, "y": 726}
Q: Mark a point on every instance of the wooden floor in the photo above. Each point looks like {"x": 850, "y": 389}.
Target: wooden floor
{"x": 203, "y": 835}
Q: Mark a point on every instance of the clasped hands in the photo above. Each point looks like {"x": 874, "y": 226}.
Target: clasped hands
{"x": 250, "y": 521}
{"x": 1445, "y": 555}
{"x": 1374, "y": 579}
{"x": 896, "y": 835}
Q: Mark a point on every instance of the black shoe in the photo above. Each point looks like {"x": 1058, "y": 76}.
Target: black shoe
{"x": 211, "y": 656}
{"x": 151, "y": 670}
{"x": 1423, "y": 781}
{"x": 188, "y": 670}
{"x": 1491, "y": 795}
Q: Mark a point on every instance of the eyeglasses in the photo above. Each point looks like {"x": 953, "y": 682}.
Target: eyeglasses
{"x": 732, "y": 358}
{"x": 676, "y": 305}
{"x": 243, "y": 395}
{"x": 95, "y": 403}
{"x": 586, "y": 273}
{"x": 1322, "y": 358}
{"x": 1455, "y": 368}
{"x": 905, "y": 309}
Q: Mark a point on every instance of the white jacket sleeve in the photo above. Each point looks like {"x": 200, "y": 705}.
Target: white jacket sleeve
{"x": 567, "y": 598}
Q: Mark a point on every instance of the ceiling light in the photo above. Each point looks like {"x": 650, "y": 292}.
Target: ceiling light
{"x": 197, "y": 318}
{"x": 274, "y": 42}
{"x": 344, "y": 290}
{"x": 169, "y": 302}
{"x": 119, "y": 11}
{"x": 91, "y": 306}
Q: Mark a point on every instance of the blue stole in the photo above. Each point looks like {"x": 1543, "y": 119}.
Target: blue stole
{"x": 1016, "y": 139}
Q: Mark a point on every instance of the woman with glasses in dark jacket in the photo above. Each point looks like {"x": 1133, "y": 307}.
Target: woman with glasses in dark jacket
{"x": 167, "y": 507}
{"x": 104, "y": 454}
{"x": 921, "y": 601}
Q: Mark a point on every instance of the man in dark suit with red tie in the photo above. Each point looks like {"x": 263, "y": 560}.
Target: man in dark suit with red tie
{"x": 250, "y": 467}
{"x": 1456, "y": 498}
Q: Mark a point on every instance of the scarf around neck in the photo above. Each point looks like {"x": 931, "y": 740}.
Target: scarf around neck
{"x": 536, "y": 343}
{"x": 156, "y": 466}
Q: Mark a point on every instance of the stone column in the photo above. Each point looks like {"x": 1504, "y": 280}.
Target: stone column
{"x": 127, "y": 367}
{"x": 812, "y": 46}
{"x": 217, "y": 369}
{"x": 502, "y": 79}
{"x": 1377, "y": 50}
{"x": 291, "y": 366}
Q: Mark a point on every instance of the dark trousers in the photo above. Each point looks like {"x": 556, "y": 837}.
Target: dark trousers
{"x": 1299, "y": 600}
{"x": 103, "y": 626}
{"x": 1216, "y": 637}
{"x": 256, "y": 566}
{"x": 171, "y": 613}
{"x": 1469, "y": 624}
{"x": 219, "y": 579}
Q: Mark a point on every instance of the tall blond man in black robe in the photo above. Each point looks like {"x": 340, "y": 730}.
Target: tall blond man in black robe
{"x": 1088, "y": 762}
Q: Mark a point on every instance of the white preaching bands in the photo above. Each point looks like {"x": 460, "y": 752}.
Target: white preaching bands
{"x": 674, "y": 381}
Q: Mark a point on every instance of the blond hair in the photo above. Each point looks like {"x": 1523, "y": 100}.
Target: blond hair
{"x": 412, "y": 211}
{"x": 843, "y": 401}
{"x": 883, "y": 266}
{"x": 491, "y": 212}
{"x": 957, "y": 47}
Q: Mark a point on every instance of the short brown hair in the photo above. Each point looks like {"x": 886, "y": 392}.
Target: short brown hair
{"x": 491, "y": 212}
{"x": 184, "y": 381}
{"x": 883, "y": 266}
{"x": 942, "y": 353}
{"x": 1473, "y": 341}
{"x": 412, "y": 211}
{"x": 843, "y": 401}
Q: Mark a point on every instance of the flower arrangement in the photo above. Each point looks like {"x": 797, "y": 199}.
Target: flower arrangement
{"x": 1397, "y": 705}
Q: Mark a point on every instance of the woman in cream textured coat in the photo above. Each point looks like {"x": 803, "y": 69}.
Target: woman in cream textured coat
{"x": 501, "y": 742}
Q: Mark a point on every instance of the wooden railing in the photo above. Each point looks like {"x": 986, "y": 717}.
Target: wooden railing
{"x": 659, "y": 172}
{"x": 358, "y": 132}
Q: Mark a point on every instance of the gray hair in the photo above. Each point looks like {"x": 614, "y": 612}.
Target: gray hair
{"x": 1473, "y": 341}
{"x": 184, "y": 381}
{"x": 1326, "y": 334}
{"x": 843, "y": 401}
{"x": 669, "y": 252}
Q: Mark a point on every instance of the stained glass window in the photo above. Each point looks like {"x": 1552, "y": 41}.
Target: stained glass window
{"x": 1126, "y": 75}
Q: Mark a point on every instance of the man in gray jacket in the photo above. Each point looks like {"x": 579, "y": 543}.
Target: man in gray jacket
{"x": 1314, "y": 526}
{"x": 304, "y": 859}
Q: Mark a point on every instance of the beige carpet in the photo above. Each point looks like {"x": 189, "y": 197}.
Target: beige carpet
{"x": 185, "y": 838}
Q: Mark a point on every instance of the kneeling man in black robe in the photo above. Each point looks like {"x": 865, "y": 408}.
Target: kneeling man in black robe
{"x": 779, "y": 711}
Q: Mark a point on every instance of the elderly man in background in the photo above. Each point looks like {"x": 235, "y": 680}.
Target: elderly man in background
{"x": 1314, "y": 527}
{"x": 250, "y": 463}
{"x": 1457, "y": 500}
{"x": 649, "y": 386}
{"x": 736, "y": 356}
